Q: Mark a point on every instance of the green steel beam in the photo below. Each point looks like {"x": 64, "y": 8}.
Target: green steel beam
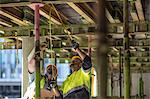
{"x": 111, "y": 27}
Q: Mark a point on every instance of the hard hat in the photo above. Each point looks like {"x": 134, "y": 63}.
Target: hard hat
{"x": 76, "y": 57}
{"x": 74, "y": 61}
{"x": 52, "y": 69}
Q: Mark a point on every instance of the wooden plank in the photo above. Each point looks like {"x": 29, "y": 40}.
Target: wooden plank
{"x": 134, "y": 16}
{"x": 43, "y": 13}
{"x": 14, "y": 18}
{"x": 90, "y": 9}
{"x": 5, "y": 23}
{"x": 109, "y": 17}
{"x": 139, "y": 8}
{"x": 54, "y": 9}
{"x": 45, "y": 2}
{"x": 82, "y": 13}
{"x": 117, "y": 21}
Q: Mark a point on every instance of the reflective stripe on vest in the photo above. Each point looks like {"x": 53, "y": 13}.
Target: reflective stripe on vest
{"x": 75, "y": 89}
{"x": 76, "y": 80}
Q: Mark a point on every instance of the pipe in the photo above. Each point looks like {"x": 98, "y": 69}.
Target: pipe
{"x": 102, "y": 49}
{"x": 89, "y": 45}
{"x": 120, "y": 71}
{"x": 127, "y": 78}
{"x": 37, "y": 51}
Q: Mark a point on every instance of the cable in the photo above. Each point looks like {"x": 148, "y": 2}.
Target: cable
{"x": 17, "y": 59}
{"x": 65, "y": 30}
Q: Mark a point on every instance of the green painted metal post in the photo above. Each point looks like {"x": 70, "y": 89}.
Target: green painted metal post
{"x": 140, "y": 94}
{"x": 127, "y": 81}
{"x": 37, "y": 51}
{"x": 141, "y": 88}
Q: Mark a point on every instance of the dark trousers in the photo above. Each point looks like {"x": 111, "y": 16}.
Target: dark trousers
{"x": 78, "y": 94}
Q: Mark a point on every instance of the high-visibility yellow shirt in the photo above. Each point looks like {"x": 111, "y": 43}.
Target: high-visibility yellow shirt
{"x": 78, "y": 79}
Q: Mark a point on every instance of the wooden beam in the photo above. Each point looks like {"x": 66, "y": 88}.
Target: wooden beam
{"x": 117, "y": 21}
{"x": 14, "y": 18}
{"x": 82, "y": 13}
{"x": 5, "y": 23}
{"x": 90, "y": 9}
{"x": 134, "y": 16}
{"x": 133, "y": 12}
{"x": 139, "y": 8}
{"x": 45, "y": 2}
{"x": 109, "y": 17}
{"x": 60, "y": 13}
{"x": 43, "y": 13}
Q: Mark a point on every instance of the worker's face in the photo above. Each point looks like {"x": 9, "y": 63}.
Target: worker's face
{"x": 49, "y": 74}
{"x": 75, "y": 64}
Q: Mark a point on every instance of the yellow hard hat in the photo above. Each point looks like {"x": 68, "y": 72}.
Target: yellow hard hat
{"x": 76, "y": 57}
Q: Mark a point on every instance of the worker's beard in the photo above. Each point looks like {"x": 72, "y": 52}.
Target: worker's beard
{"x": 75, "y": 67}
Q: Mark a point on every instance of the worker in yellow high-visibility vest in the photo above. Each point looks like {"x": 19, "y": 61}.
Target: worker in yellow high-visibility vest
{"x": 77, "y": 85}
{"x": 47, "y": 80}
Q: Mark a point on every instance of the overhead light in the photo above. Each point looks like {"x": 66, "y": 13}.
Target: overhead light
{"x": 57, "y": 54}
{"x": 64, "y": 43}
{"x": 47, "y": 55}
{"x": 2, "y": 32}
{"x": 132, "y": 48}
{"x": 115, "y": 49}
{"x": 66, "y": 61}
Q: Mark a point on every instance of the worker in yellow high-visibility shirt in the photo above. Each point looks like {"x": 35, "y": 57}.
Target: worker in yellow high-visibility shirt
{"x": 77, "y": 85}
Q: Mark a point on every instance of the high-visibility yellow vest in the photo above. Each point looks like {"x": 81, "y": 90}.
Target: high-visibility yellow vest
{"x": 76, "y": 80}
{"x": 42, "y": 82}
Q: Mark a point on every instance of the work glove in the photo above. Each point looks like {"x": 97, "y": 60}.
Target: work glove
{"x": 52, "y": 84}
{"x": 75, "y": 45}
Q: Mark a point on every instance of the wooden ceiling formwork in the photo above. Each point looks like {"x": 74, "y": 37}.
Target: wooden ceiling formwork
{"x": 80, "y": 17}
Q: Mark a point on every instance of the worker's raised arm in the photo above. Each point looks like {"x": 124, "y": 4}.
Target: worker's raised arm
{"x": 87, "y": 63}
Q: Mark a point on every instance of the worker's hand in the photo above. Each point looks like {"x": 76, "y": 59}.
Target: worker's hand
{"x": 75, "y": 45}
{"x": 46, "y": 93}
{"x": 52, "y": 84}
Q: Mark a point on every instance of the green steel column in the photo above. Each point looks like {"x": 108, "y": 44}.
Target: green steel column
{"x": 140, "y": 94}
{"x": 102, "y": 50}
{"x": 37, "y": 51}
{"x": 127, "y": 78}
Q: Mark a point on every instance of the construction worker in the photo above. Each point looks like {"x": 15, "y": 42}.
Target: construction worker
{"x": 47, "y": 80}
{"x": 77, "y": 85}
{"x": 46, "y": 83}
